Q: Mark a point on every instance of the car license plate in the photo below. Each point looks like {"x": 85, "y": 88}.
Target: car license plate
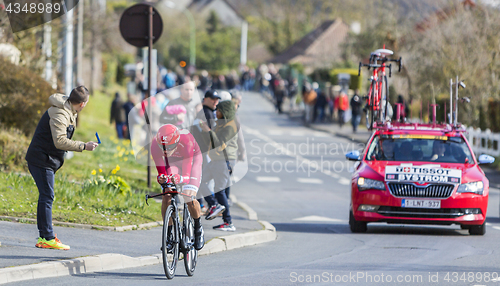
{"x": 426, "y": 204}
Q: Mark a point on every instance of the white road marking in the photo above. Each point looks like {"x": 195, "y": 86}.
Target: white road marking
{"x": 496, "y": 227}
{"x": 318, "y": 218}
{"x": 344, "y": 181}
{"x": 297, "y": 133}
{"x": 320, "y": 134}
{"x": 268, "y": 179}
{"x": 312, "y": 166}
{"x": 275, "y": 132}
{"x": 310, "y": 181}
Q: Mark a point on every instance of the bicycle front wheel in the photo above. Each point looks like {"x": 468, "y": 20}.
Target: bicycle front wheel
{"x": 170, "y": 243}
{"x": 190, "y": 253}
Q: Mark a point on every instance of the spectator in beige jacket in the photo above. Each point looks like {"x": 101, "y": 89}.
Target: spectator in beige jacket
{"x": 45, "y": 155}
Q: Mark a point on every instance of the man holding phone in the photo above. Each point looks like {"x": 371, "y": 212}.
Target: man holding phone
{"x": 45, "y": 155}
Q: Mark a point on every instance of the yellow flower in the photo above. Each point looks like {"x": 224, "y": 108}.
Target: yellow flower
{"x": 93, "y": 172}
{"x": 38, "y": 111}
{"x": 117, "y": 168}
{"x": 118, "y": 148}
{"x": 100, "y": 170}
{"x": 113, "y": 172}
{"x": 132, "y": 152}
{"x": 126, "y": 153}
{"x": 125, "y": 159}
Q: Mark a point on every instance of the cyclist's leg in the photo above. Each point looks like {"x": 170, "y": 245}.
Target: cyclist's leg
{"x": 192, "y": 203}
{"x": 195, "y": 211}
{"x": 165, "y": 202}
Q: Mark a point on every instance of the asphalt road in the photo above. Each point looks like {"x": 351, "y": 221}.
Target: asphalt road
{"x": 309, "y": 208}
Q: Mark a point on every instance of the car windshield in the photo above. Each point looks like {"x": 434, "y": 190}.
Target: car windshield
{"x": 423, "y": 148}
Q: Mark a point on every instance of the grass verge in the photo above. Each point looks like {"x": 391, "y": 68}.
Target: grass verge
{"x": 105, "y": 187}
{"x": 101, "y": 200}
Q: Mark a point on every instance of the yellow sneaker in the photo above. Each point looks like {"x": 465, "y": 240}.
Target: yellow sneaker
{"x": 39, "y": 242}
{"x": 54, "y": 244}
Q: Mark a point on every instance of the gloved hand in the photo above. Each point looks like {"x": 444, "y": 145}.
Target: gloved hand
{"x": 176, "y": 178}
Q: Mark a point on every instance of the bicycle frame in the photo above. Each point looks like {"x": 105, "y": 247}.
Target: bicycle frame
{"x": 374, "y": 100}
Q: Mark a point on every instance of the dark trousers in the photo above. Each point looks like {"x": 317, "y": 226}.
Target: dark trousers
{"x": 119, "y": 129}
{"x": 44, "y": 179}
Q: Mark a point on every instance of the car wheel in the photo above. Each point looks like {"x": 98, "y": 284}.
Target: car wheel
{"x": 356, "y": 226}
{"x": 477, "y": 229}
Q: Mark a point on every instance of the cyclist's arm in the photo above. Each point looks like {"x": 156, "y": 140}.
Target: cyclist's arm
{"x": 160, "y": 162}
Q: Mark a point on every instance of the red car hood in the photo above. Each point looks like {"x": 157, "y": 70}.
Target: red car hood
{"x": 376, "y": 170}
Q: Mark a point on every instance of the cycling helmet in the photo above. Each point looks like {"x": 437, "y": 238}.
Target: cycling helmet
{"x": 168, "y": 137}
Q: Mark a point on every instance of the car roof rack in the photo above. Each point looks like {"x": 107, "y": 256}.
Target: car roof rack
{"x": 453, "y": 124}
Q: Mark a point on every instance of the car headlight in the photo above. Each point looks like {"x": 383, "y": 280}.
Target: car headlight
{"x": 369, "y": 184}
{"x": 474, "y": 187}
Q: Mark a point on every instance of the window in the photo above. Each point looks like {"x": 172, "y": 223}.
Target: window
{"x": 440, "y": 149}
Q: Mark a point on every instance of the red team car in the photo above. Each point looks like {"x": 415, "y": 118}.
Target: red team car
{"x": 419, "y": 174}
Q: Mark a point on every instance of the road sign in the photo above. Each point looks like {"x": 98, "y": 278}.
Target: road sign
{"x": 134, "y": 25}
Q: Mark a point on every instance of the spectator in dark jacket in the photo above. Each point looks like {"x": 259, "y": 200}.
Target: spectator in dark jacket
{"x": 320, "y": 106}
{"x": 280, "y": 93}
{"x": 128, "y": 106}
{"x": 356, "y": 111}
{"x": 118, "y": 115}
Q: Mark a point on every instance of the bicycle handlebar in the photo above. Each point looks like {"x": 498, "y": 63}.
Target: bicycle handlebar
{"x": 173, "y": 190}
{"x": 384, "y": 60}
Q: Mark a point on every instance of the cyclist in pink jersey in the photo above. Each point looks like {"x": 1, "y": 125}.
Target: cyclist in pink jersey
{"x": 178, "y": 157}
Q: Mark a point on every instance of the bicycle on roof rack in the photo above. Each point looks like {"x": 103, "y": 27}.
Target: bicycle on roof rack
{"x": 378, "y": 94}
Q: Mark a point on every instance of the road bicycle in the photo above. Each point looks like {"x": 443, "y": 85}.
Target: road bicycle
{"x": 378, "y": 94}
{"x": 178, "y": 233}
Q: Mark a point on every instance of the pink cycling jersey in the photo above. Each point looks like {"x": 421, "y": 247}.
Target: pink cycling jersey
{"x": 185, "y": 161}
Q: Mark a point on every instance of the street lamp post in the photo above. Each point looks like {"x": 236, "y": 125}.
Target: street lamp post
{"x": 192, "y": 36}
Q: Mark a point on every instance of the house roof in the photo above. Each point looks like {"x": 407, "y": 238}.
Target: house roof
{"x": 318, "y": 47}
{"x": 199, "y": 5}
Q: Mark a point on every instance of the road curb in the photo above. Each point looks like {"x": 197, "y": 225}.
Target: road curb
{"x": 90, "y": 226}
{"x": 113, "y": 261}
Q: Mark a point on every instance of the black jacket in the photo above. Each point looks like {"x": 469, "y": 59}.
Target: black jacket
{"x": 42, "y": 152}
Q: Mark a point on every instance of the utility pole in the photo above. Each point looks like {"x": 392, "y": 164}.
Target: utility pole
{"x": 47, "y": 51}
{"x": 68, "y": 50}
{"x": 244, "y": 37}
{"x": 79, "y": 45}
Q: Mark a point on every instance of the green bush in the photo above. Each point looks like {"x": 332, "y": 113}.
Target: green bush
{"x": 13, "y": 145}
{"x": 23, "y": 97}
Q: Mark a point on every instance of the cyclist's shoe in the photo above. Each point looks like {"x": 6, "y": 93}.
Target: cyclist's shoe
{"x": 199, "y": 238}
{"x": 214, "y": 211}
{"x": 39, "y": 242}
{"x": 53, "y": 244}
{"x": 225, "y": 227}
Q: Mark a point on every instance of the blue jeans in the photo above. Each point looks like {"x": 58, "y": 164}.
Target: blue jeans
{"x": 218, "y": 171}
{"x": 355, "y": 122}
{"x": 119, "y": 129}
{"x": 44, "y": 179}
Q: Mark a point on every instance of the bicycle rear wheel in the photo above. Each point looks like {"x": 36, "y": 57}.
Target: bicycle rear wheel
{"x": 370, "y": 113}
{"x": 190, "y": 253}
{"x": 384, "y": 90}
{"x": 170, "y": 237}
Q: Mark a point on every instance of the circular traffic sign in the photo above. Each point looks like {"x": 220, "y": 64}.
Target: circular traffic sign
{"x": 134, "y": 25}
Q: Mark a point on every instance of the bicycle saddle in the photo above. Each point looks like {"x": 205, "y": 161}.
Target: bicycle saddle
{"x": 382, "y": 52}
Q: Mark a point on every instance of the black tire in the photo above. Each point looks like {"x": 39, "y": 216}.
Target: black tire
{"x": 477, "y": 229}
{"x": 385, "y": 98}
{"x": 356, "y": 226}
{"x": 170, "y": 259}
{"x": 190, "y": 253}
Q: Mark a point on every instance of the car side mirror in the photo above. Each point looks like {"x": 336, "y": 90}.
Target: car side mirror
{"x": 353, "y": 156}
{"x": 485, "y": 159}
